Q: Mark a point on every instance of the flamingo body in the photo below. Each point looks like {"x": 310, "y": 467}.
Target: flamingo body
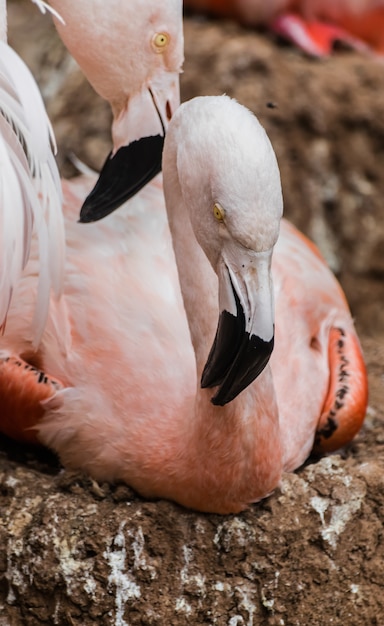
{"x": 314, "y": 320}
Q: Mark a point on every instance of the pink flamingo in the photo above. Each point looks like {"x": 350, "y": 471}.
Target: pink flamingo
{"x": 141, "y": 82}
{"x": 113, "y": 383}
{"x": 313, "y": 25}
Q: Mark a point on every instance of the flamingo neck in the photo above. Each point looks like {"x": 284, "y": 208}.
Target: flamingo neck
{"x": 199, "y": 286}
{"x": 234, "y": 452}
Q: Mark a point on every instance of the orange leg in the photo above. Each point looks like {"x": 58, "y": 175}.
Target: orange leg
{"x": 23, "y": 388}
{"x": 346, "y": 402}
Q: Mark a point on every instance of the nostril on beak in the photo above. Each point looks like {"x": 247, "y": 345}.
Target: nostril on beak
{"x": 168, "y": 110}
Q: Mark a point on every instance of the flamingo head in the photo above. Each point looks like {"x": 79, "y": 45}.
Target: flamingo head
{"x": 228, "y": 178}
{"x": 132, "y": 53}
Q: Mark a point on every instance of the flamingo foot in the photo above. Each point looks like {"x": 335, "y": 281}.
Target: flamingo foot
{"x": 314, "y": 37}
{"x": 346, "y": 402}
{"x": 23, "y": 389}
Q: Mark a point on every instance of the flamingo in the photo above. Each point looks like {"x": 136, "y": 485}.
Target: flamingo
{"x": 113, "y": 384}
{"x": 140, "y": 81}
{"x": 313, "y": 25}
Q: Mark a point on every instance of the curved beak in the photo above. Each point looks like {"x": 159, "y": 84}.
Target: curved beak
{"x": 138, "y": 138}
{"x": 122, "y": 176}
{"x": 245, "y": 334}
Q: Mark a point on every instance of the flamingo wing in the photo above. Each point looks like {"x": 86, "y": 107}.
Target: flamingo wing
{"x": 325, "y": 366}
{"x": 30, "y": 198}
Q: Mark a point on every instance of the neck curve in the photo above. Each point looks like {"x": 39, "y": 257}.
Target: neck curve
{"x": 234, "y": 452}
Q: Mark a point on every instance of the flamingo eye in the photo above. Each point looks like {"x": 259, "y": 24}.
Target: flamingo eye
{"x": 218, "y": 212}
{"x": 160, "y": 41}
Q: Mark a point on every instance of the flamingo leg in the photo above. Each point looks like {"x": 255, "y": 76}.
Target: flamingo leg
{"x": 23, "y": 389}
{"x": 346, "y": 402}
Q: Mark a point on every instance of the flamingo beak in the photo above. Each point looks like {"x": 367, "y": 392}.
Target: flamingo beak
{"x": 138, "y": 134}
{"x": 122, "y": 176}
{"x": 245, "y": 334}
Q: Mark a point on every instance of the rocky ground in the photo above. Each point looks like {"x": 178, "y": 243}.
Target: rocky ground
{"x": 73, "y": 552}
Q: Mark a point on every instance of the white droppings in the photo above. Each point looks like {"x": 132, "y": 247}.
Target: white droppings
{"x": 234, "y": 530}
{"x": 11, "y": 482}
{"x": 56, "y": 616}
{"x": 182, "y": 606}
{"x": 14, "y": 579}
{"x": 320, "y": 505}
{"x": 90, "y": 586}
{"x": 292, "y": 484}
{"x": 194, "y": 582}
{"x": 327, "y": 466}
{"x": 140, "y": 561}
{"x": 119, "y": 578}
{"x": 187, "y": 554}
{"x": 200, "y": 527}
{"x": 219, "y": 586}
{"x": 72, "y": 567}
{"x": 355, "y": 588}
{"x": 267, "y": 603}
{"x": 347, "y": 480}
{"x": 15, "y": 575}
{"x": 138, "y": 550}
{"x": 246, "y": 592}
{"x": 340, "y": 515}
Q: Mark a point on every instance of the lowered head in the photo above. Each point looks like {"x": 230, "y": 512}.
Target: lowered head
{"x": 132, "y": 54}
{"x": 220, "y": 166}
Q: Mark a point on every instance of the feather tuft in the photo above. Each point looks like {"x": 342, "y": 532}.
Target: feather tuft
{"x": 45, "y": 7}
{"x": 30, "y": 189}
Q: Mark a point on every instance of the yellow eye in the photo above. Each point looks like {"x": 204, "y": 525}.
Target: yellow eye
{"x": 218, "y": 212}
{"x": 160, "y": 41}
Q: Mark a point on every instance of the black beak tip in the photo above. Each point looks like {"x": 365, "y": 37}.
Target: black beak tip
{"x": 250, "y": 361}
{"x": 122, "y": 176}
{"x": 86, "y": 215}
{"x": 217, "y": 401}
{"x": 236, "y": 357}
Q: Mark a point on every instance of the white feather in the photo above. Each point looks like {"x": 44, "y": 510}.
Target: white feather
{"x": 44, "y": 7}
{"x": 81, "y": 167}
{"x": 30, "y": 192}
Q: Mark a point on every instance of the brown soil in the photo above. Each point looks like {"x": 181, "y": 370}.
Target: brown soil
{"x": 73, "y": 552}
